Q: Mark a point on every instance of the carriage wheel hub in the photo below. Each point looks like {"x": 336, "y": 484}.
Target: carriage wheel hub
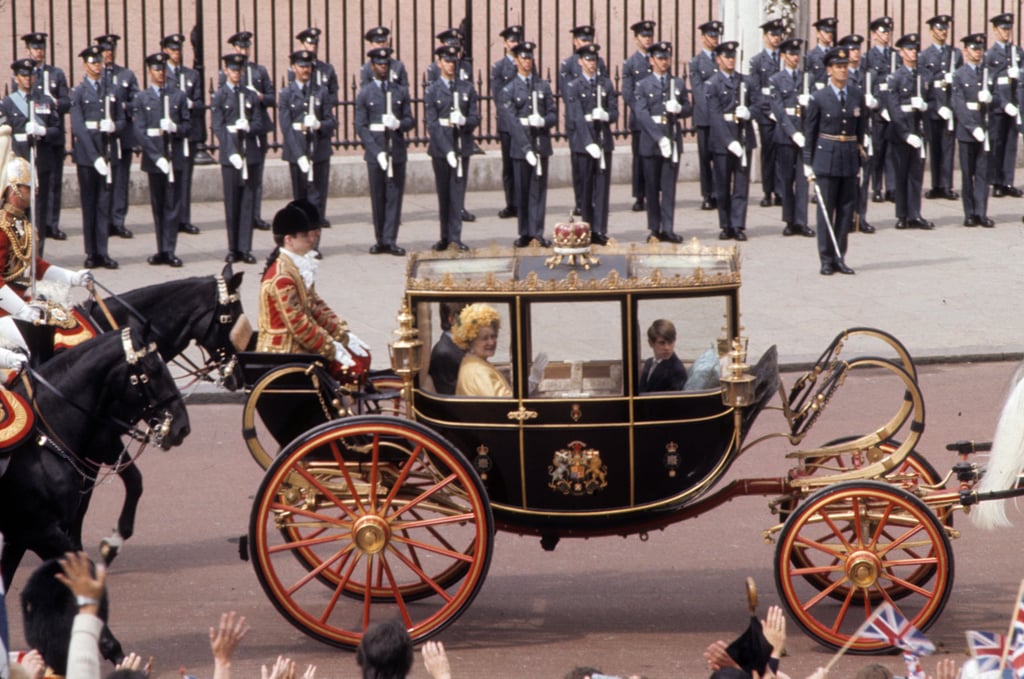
{"x": 863, "y": 568}
{"x": 371, "y": 534}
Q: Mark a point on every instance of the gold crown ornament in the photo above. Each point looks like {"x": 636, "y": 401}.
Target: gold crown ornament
{"x": 572, "y": 244}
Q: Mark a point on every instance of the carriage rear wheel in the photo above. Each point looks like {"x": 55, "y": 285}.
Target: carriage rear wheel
{"x": 862, "y": 538}
{"x": 385, "y": 512}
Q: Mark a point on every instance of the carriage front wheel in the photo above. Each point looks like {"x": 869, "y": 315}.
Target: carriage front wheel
{"x": 384, "y": 512}
{"x": 862, "y": 538}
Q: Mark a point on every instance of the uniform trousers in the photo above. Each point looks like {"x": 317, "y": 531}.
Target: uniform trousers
{"x": 163, "y": 200}
{"x": 639, "y": 181}
{"x": 660, "y": 176}
{"x": 185, "y": 190}
{"x": 909, "y": 168}
{"x": 769, "y": 181}
{"x": 531, "y": 197}
{"x": 508, "y": 171}
{"x": 386, "y": 201}
{"x": 121, "y": 170}
{"x": 43, "y": 198}
{"x": 594, "y": 201}
{"x": 705, "y": 159}
{"x": 863, "y": 190}
{"x": 1003, "y": 140}
{"x": 95, "y": 200}
{"x": 840, "y": 197}
{"x": 257, "y": 177}
{"x": 314, "y": 191}
{"x": 451, "y": 197}
{"x": 52, "y": 218}
{"x": 790, "y": 175}
{"x": 940, "y": 152}
{"x": 974, "y": 182}
{"x": 882, "y": 169}
{"x": 732, "y": 182}
{"x": 239, "y": 202}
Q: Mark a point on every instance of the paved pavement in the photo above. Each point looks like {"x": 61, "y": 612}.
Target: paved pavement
{"x": 949, "y": 294}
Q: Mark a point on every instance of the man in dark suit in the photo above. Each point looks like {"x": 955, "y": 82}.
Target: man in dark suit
{"x": 446, "y": 356}
{"x": 971, "y": 99}
{"x": 784, "y": 94}
{"x": 123, "y": 86}
{"x": 187, "y": 80}
{"x": 763, "y": 66}
{"x": 938, "y": 64}
{"x": 568, "y": 71}
{"x": 836, "y": 122}
{"x": 502, "y": 73}
{"x": 880, "y": 64}
{"x": 1004, "y": 60}
{"x": 858, "y": 78}
{"x": 826, "y": 28}
{"x": 702, "y": 67}
{"x": 634, "y": 70}
{"x": 323, "y": 74}
{"x": 664, "y": 371}
{"x": 907, "y": 105}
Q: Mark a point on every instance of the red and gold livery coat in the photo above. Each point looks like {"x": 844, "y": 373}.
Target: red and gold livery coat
{"x": 16, "y": 235}
{"x": 293, "y": 319}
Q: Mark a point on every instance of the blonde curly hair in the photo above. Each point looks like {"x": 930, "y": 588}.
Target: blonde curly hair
{"x": 470, "y": 320}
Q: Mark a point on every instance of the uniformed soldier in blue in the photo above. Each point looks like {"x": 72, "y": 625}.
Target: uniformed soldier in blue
{"x": 880, "y": 63}
{"x": 763, "y": 66}
{"x": 122, "y": 82}
{"x": 453, "y": 112}
{"x": 826, "y": 32}
{"x": 502, "y": 72}
{"x": 634, "y": 70}
{"x": 592, "y": 107}
{"x": 162, "y": 125}
{"x": 836, "y": 123}
{"x": 323, "y": 74}
{"x": 1004, "y": 61}
{"x": 569, "y": 70}
{"x": 528, "y": 111}
{"x": 972, "y": 97}
{"x": 906, "y": 104}
{"x": 784, "y": 101}
{"x": 702, "y": 67}
{"x": 732, "y": 141}
{"x": 234, "y": 110}
{"x": 857, "y": 77}
{"x": 94, "y": 152}
{"x": 188, "y": 81}
{"x": 938, "y": 64}
{"x": 380, "y": 37}
{"x": 307, "y": 123}
{"x": 383, "y": 116}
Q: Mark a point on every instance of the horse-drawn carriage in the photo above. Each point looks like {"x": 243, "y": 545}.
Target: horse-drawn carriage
{"x": 362, "y": 517}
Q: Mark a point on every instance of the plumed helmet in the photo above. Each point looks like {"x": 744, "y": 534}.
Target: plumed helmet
{"x": 17, "y": 172}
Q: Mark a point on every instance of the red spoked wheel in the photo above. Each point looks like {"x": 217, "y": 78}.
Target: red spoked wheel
{"x": 383, "y": 511}
{"x": 863, "y": 539}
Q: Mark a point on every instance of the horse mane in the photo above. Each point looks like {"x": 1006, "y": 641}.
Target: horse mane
{"x": 157, "y": 293}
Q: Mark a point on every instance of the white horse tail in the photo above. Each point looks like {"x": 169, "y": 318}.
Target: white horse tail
{"x": 1007, "y": 458}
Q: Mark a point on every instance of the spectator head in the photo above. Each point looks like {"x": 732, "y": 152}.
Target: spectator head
{"x": 385, "y": 651}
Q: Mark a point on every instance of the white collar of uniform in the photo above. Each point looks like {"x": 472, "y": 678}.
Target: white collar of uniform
{"x": 306, "y": 264}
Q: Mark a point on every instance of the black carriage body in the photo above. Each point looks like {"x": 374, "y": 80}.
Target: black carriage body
{"x": 586, "y": 453}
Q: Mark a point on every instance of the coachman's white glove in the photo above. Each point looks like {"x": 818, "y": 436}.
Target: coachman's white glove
{"x": 303, "y": 163}
{"x": 12, "y": 360}
{"x": 914, "y": 140}
{"x": 101, "y": 166}
{"x": 665, "y": 146}
{"x": 235, "y": 160}
{"x": 453, "y": 161}
{"x": 531, "y": 158}
{"x": 1011, "y": 110}
{"x": 978, "y": 134}
{"x": 736, "y": 149}
{"x": 798, "y": 139}
{"x": 594, "y": 150}
{"x": 456, "y": 118}
{"x": 163, "y": 165}
{"x": 59, "y": 274}
{"x": 342, "y": 356}
{"x": 357, "y": 346}
{"x": 382, "y": 160}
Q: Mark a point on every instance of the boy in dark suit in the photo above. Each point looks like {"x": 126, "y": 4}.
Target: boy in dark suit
{"x": 664, "y": 371}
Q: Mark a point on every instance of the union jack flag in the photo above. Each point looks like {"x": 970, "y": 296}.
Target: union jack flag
{"x": 987, "y": 648}
{"x": 888, "y": 625}
{"x": 914, "y": 669}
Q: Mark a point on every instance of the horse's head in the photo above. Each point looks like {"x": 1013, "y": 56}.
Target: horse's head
{"x": 229, "y": 330}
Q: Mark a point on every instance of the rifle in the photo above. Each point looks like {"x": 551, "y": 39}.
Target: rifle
{"x": 741, "y": 131}
{"x": 168, "y": 142}
{"x": 457, "y": 136}
{"x": 983, "y": 107}
{"x": 673, "y": 120}
{"x": 32, "y": 197}
{"x": 950, "y": 126}
{"x": 241, "y": 139}
{"x": 534, "y": 132}
{"x": 388, "y": 142}
{"x": 598, "y": 126}
{"x": 108, "y": 137}
{"x": 869, "y": 148}
{"x": 1013, "y": 81}
{"x": 918, "y": 118}
{"x": 311, "y": 136}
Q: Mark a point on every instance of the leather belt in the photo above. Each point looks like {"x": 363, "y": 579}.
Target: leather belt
{"x": 842, "y": 138}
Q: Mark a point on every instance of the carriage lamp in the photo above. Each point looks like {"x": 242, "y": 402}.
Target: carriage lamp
{"x": 406, "y": 352}
{"x": 738, "y": 385}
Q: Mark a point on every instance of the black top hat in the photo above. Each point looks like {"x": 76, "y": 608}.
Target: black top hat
{"x": 37, "y": 39}
{"x": 92, "y": 54}
{"x": 173, "y": 41}
{"x": 791, "y": 46}
{"x": 302, "y": 57}
{"x": 450, "y": 36}
{"x": 242, "y": 39}
{"x": 512, "y": 33}
{"x": 727, "y": 48}
{"x": 24, "y": 66}
{"x": 588, "y": 52}
{"x": 773, "y": 26}
{"x": 1004, "y": 20}
{"x": 827, "y": 24}
{"x": 909, "y": 41}
{"x": 974, "y": 41}
{"x": 311, "y": 211}
{"x": 583, "y": 32}
{"x": 310, "y": 36}
{"x": 108, "y": 41}
{"x": 712, "y": 28}
{"x": 881, "y": 24}
{"x": 377, "y": 34}
{"x": 290, "y": 220}
{"x": 234, "y": 62}
{"x": 940, "y": 21}
{"x": 157, "y": 61}
{"x": 524, "y": 49}
{"x": 837, "y": 55}
{"x": 852, "y": 41}
{"x": 645, "y": 27}
{"x": 447, "y": 52}
{"x": 380, "y": 55}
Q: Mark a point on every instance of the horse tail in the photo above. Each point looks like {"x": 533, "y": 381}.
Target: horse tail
{"x": 1007, "y": 458}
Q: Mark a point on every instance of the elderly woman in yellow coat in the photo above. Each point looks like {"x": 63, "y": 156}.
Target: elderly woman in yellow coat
{"x": 476, "y": 332}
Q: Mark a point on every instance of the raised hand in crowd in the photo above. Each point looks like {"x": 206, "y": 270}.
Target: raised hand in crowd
{"x": 436, "y": 661}
{"x": 945, "y": 669}
{"x": 31, "y": 666}
{"x": 223, "y": 642}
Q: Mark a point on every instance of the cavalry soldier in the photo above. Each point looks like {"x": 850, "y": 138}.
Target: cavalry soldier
{"x": 785, "y": 88}
{"x": 36, "y": 126}
{"x": 293, "y": 318}
{"x": 453, "y": 112}
{"x": 162, "y": 125}
{"x": 592, "y": 105}
{"x": 857, "y": 78}
{"x": 972, "y": 97}
{"x": 881, "y": 63}
{"x": 1003, "y": 60}
{"x": 569, "y": 70}
{"x": 906, "y": 105}
{"x": 634, "y": 70}
{"x": 96, "y": 116}
{"x": 323, "y": 74}
{"x": 187, "y": 80}
{"x": 307, "y": 122}
{"x": 815, "y": 65}
{"x": 529, "y": 112}
{"x": 383, "y": 116}
{"x": 702, "y": 67}
{"x": 256, "y": 79}
{"x": 51, "y": 82}
{"x": 234, "y": 111}
{"x": 380, "y": 37}
{"x": 938, "y": 64}
{"x": 732, "y": 141}
{"x": 835, "y": 127}
{"x": 763, "y": 65}
{"x": 659, "y": 104}
{"x": 123, "y": 86}
{"x": 502, "y": 73}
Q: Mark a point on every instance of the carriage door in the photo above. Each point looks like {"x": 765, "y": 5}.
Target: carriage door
{"x": 575, "y": 452}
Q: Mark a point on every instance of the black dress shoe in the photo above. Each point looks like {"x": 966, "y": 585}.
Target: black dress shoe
{"x": 261, "y": 225}
{"x": 998, "y": 192}
{"x": 396, "y": 250}
{"x": 739, "y": 234}
{"x": 507, "y": 212}
{"x": 598, "y": 239}
{"x": 670, "y": 237}
{"x": 188, "y": 228}
{"x": 714, "y": 202}
{"x": 777, "y": 200}
{"x": 157, "y": 259}
{"x": 922, "y": 224}
{"x": 1013, "y": 191}
{"x": 92, "y": 262}
{"x": 439, "y": 245}
{"x": 932, "y": 194}
{"x": 107, "y": 263}
{"x": 790, "y": 230}
{"x": 576, "y": 212}
{"x": 842, "y": 268}
{"x": 231, "y": 257}
{"x": 827, "y": 270}
{"x": 970, "y": 221}
{"x": 638, "y": 206}
{"x": 866, "y": 228}
{"x": 876, "y": 197}
{"x": 890, "y": 196}
{"x": 174, "y": 261}
{"x": 247, "y": 257}
{"x": 986, "y": 222}
{"x": 725, "y": 234}
{"x": 544, "y": 242}
{"x": 766, "y": 201}
{"x": 901, "y": 224}
{"x": 521, "y": 242}
{"x": 55, "y": 233}
{"x": 120, "y": 232}
{"x": 708, "y": 204}
{"x": 468, "y": 216}
{"x": 378, "y": 249}
{"x": 950, "y": 194}
{"x": 460, "y": 246}
{"x": 806, "y": 230}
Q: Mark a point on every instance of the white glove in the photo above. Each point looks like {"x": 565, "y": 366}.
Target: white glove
{"x": 389, "y": 121}
{"x": 189, "y": 104}
{"x": 342, "y": 356}
{"x": 456, "y": 118}
{"x": 81, "y": 278}
{"x": 599, "y": 114}
{"x": 1013, "y": 73}
{"x": 1011, "y": 110}
{"x": 357, "y": 346}
{"x": 978, "y": 134}
{"x": 809, "y": 172}
{"x": 537, "y": 371}
{"x": 945, "y": 113}
{"x": 107, "y": 125}
{"x": 594, "y": 150}
{"x": 303, "y": 163}
{"x": 235, "y": 160}
{"x": 914, "y": 140}
{"x": 870, "y": 101}
{"x": 12, "y": 360}
{"x": 163, "y": 165}
{"x": 673, "y": 106}
{"x": 251, "y": 88}
{"x": 35, "y": 129}
{"x": 918, "y": 104}
{"x": 743, "y": 113}
{"x": 452, "y": 160}
{"x": 382, "y": 160}
{"x": 312, "y": 123}
{"x": 30, "y": 313}
{"x": 11, "y": 302}
{"x": 241, "y": 125}
{"x": 59, "y": 274}
{"x": 948, "y": 77}
{"x": 531, "y": 158}
{"x": 885, "y": 115}
{"x": 665, "y": 145}
{"x": 535, "y": 120}
{"x": 985, "y": 97}
{"x": 804, "y": 100}
{"x": 798, "y": 139}
{"x": 736, "y": 149}
{"x": 101, "y": 166}
{"x": 168, "y": 125}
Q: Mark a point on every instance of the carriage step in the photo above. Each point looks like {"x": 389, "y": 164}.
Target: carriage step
{"x": 243, "y": 547}
{"x": 968, "y": 447}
